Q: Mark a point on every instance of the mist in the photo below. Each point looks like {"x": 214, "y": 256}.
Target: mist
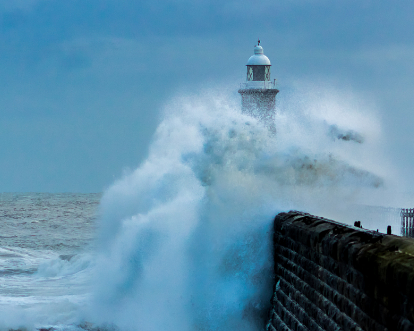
{"x": 185, "y": 239}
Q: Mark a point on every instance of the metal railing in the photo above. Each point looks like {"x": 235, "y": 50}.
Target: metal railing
{"x": 258, "y": 85}
{"x": 407, "y": 222}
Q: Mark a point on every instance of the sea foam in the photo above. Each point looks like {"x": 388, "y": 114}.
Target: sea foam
{"x": 185, "y": 239}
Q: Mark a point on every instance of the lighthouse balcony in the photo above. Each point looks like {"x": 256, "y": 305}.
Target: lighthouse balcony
{"x": 258, "y": 85}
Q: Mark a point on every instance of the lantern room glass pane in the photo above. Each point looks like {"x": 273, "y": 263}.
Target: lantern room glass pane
{"x": 267, "y": 73}
{"x": 249, "y": 73}
{"x": 258, "y": 73}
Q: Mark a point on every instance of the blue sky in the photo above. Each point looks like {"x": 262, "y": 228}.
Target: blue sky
{"x": 83, "y": 82}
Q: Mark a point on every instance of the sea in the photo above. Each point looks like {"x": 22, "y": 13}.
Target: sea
{"x": 46, "y": 244}
{"x": 183, "y": 242}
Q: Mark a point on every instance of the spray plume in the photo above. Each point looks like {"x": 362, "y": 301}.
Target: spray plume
{"x": 185, "y": 239}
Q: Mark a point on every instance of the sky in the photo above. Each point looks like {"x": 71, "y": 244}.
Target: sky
{"x": 84, "y": 82}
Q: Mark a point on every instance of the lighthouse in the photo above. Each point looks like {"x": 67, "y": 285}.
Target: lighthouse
{"x": 259, "y": 92}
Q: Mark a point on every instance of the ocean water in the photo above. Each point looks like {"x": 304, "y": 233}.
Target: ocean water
{"x": 183, "y": 242}
{"x": 46, "y": 244}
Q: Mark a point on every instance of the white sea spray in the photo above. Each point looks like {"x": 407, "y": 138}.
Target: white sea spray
{"x": 185, "y": 239}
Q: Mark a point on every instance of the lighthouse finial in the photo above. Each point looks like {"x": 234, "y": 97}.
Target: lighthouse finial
{"x": 258, "y": 41}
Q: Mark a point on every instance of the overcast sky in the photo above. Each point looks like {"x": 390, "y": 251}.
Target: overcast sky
{"x": 83, "y": 82}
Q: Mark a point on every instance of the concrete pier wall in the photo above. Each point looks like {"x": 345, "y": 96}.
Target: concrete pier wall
{"x": 331, "y": 276}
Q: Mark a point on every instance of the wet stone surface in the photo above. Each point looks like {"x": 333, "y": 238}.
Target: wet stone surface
{"x": 332, "y": 276}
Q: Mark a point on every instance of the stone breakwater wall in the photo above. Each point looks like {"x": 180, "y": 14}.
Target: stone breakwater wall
{"x": 331, "y": 276}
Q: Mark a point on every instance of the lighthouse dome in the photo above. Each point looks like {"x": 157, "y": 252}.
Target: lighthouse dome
{"x": 258, "y": 59}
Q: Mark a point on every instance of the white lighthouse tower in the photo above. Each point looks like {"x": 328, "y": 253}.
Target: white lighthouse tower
{"x": 259, "y": 92}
